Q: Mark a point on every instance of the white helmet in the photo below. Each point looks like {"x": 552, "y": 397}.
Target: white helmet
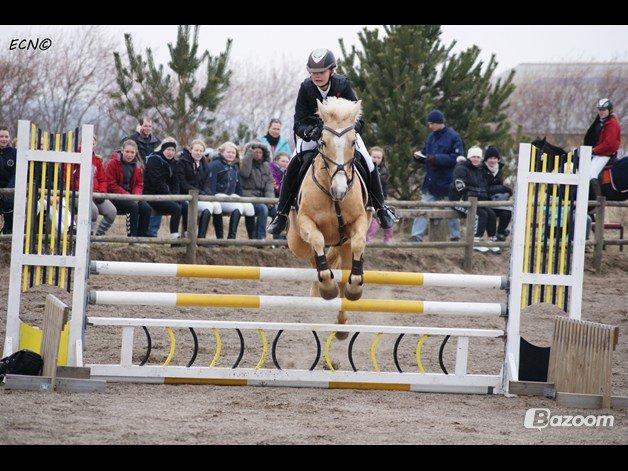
{"x": 604, "y": 103}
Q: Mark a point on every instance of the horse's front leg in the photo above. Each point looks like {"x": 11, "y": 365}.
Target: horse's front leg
{"x": 353, "y": 289}
{"x": 327, "y": 285}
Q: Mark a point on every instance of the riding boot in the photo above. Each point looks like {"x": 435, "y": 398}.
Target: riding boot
{"x": 218, "y": 227}
{"x": 289, "y": 188}
{"x": 203, "y": 223}
{"x": 595, "y": 190}
{"x": 385, "y": 215}
{"x": 249, "y": 222}
{"x": 234, "y": 220}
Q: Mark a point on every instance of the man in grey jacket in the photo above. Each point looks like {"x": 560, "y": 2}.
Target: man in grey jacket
{"x": 257, "y": 180}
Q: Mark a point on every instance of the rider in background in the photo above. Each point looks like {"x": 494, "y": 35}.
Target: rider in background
{"x": 308, "y": 126}
{"x": 604, "y": 135}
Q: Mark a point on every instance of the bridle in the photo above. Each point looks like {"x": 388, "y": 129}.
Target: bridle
{"x": 339, "y": 167}
{"x": 342, "y": 229}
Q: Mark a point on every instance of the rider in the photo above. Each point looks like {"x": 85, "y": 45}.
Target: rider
{"x": 604, "y": 135}
{"x": 308, "y": 126}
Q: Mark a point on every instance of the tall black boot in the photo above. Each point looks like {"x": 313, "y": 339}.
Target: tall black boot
{"x": 289, "y": 188}
{"x": 385, "y": 215}
{"x": 249, "y": 222}
{"x": 203, "y": 223}
{"x": 218, "y": 227}
{"x": 234, "y": 220}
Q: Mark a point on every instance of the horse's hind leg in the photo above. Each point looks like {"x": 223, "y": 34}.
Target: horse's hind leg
{"x": 353, "y": 290}
{"x": 327, "y": 286}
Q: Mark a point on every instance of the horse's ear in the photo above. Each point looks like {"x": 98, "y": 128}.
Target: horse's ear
{"x": 321, "y": 109}
{"x": 357, "y": 110}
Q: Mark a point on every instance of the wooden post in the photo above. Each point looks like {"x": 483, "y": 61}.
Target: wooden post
{"x": 55, "y": 317}
{"x": 599, "y": 233}
{"x": 192, "y": 227}
{"x": 470, "y": 234}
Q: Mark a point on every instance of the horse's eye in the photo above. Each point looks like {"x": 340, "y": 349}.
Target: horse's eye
{"x": 322, "y": 144}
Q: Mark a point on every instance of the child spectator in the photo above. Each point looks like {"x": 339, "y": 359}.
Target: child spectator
{"x": 497, "y": 191}
{"x": 256, "y": 180}
{"x": 125, "y": 176}
{"x": 8, "y": 161}
{"x": 193, "y": 174}
{"x": 160, "y": 178}
{"x": 225, "y": 181}
{"x": 274, "y": 140}
{"x": 378, "y": 157}
{"x": 469, "y": 180}
{"x": 99, "y": 205}
{"x": 278, "y": 169}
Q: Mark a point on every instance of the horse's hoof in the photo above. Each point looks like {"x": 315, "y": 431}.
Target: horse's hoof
{"x": 329, "y": 293}
{"x": 353, "y": 292}
{"x": 342, "y": 335}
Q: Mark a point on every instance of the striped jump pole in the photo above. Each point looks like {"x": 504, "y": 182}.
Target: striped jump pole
{"x": 137, "y": 298}
{"x": 295, "y": 274}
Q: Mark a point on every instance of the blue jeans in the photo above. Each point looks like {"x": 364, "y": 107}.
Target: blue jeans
{"x": 153, "y": 225}
{"x": 419, "y": 225}
{"x": 261, "y": 218}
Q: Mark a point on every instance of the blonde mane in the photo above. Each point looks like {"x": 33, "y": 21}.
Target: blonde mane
{"x": 339, "y": 111}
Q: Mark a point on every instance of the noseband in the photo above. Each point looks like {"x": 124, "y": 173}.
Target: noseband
{"x": 339, "y": 167}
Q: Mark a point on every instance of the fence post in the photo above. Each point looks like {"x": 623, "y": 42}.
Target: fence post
{"x": 599, "y": 233}
{"x": 192, "y": 228}
{"x": 470, "y": 234}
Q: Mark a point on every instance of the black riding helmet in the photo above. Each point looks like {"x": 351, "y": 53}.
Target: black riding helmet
{"x": 320, "y": 60}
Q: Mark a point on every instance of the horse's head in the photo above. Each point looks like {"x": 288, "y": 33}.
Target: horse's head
{"x": 337, "y": 145}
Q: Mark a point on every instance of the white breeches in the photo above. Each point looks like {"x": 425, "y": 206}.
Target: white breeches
{"x": 245, "y": 209}
{"x": 302, "y": 145}
{"x": 597, "y": 164}
{"x": 214, "y": 208}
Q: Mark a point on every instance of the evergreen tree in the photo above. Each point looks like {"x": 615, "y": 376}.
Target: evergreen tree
{"x": 401, "y": 76}
{"x": 182, "y": 102}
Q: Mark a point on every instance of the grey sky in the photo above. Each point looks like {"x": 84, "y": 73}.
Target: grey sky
{"x": 512, "y": 44}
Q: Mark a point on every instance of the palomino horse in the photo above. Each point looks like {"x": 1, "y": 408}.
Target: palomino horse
{"x": 332, "y": 207}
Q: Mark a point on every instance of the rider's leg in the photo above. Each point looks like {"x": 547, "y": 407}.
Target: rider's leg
{"x": 289, "y": 188}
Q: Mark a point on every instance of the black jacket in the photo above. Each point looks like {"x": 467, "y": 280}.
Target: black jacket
{"x": 160, "y": 176}
{"x": 190, "y": 176}
{"x": 8, "y": 162}
{"x": 468, "y": 180}
{"x": 495, "y": 183}
{"x": 223, "y": 177}
{"x": 145, "y": 145}
{"x": 305, "y": 109}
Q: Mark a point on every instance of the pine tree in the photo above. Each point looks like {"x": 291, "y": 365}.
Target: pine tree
{"x": 181, "y": 102}
{"x": 406, "y": 73}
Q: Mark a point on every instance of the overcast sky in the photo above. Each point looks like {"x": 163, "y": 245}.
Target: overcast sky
{"x": 511, "y": 44}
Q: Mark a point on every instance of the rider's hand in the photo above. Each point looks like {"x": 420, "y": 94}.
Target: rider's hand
{"x": 314, "y": 133}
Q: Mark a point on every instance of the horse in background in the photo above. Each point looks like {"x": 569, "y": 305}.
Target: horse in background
{"x": 332, "y": 207}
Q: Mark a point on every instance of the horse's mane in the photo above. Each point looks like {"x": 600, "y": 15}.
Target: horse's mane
{"x": 339, "y": 109}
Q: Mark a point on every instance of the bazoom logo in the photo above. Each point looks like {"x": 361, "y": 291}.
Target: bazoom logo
{"x": 26, "y": 44}
{"x": 541, "y": 418}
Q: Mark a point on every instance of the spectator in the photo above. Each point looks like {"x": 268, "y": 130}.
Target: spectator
{"x": 469, "y": 180}
{"x": 257, "y": 180}
{"x": 274, "y": 140}
{"x": 125, "y": 176}
{"x": 8, "y": 161}
{"x": 278, "y": 169}
{"x": 377, "y": 154}
{"x": 497, "y": 191}
{"x": 160, "y": 178}
{"x": 439, "y": 154}
{"x": 604, "y": 135}
{"x": 99, "y": 205}
{"x": 225, "y": 181}
{"x": 193, "y": 174}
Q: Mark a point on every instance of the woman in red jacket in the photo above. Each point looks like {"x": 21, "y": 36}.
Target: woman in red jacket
{"x": 125, "y": 176}
{"x": 604, "y": 135}
{"x": 99, "y": 206}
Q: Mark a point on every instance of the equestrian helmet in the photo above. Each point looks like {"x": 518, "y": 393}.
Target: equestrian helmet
{"x": 604, "y": 103}
{"x": 320, "y": 60}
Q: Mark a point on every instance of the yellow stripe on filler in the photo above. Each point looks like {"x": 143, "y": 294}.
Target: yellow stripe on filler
{"x": 384, "y": 386}
{"x": 218, "y": 300}
{"x": 382, "y": 305}
{"x": 215, "y": 381}
{"x": 218, "y": 271}
{"x": 390, "y": 278}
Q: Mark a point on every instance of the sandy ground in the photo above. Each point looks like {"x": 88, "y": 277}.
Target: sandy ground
{"x": 184, "y": 414}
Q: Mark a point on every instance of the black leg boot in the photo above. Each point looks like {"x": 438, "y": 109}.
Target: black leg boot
{"x": 218, "y": 227}
{"x": 203, "y": 223}
{"x": 249, "y": 222}
{"x": 385, "y": 215}
{"x": 234, "y": 220}
{"x": 289, "y": 188}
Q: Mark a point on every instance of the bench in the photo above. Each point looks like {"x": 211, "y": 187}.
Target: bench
{"x": 438, "y": 229}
